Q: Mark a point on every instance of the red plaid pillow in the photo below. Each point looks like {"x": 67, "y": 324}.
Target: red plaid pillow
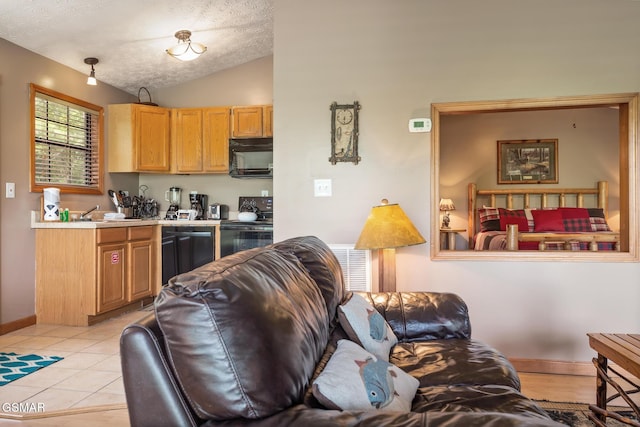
{"x": 597, "y": 220}
{"x": 577, "y": 224}
{"x": 513, "y": 216}
{"x": 489, "y": 219}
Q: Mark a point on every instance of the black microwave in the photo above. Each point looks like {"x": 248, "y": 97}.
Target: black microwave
{"x": 251, "y": 158}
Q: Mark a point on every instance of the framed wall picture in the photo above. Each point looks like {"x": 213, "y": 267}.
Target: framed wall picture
{"x": 528, "y": 161}
{"x": 344, "y": 133}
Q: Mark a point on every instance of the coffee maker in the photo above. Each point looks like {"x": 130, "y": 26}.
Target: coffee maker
{"x": 199, "y": 204}
{"x": 174, "y": 196}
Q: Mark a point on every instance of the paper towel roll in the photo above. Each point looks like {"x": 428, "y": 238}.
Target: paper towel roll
{"x": 51, "y": 204}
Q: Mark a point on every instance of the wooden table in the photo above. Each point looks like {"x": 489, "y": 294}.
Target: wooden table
{"x": 624, "y": 351}
{"x": 448, "y": 237}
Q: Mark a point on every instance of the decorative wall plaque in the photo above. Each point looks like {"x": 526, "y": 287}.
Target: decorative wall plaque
{"x": 344, "y": 133}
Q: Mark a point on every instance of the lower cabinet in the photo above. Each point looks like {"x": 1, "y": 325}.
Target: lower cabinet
{"x": 84, "y": 275}
{"x": 185, "y": 248}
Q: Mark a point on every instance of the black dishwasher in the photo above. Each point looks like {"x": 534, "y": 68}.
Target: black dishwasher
{"x": 185, "y": 248}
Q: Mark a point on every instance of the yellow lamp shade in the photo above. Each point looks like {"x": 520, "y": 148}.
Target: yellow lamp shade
{"x": 388, "y": 227}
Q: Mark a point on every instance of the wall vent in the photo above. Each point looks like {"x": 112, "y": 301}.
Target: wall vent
{"x": 356, "y": 267}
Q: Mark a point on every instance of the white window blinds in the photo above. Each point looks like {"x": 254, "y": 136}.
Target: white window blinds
{"x": 67, "y": 139}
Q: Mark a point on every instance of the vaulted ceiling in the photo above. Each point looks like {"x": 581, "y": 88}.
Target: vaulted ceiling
{"x": 129, "y": 37}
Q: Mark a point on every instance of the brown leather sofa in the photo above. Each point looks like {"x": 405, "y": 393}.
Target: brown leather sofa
{"x": 239, "y": 341}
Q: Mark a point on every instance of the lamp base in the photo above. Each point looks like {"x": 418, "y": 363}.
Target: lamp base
{"x": 387, "y": 270}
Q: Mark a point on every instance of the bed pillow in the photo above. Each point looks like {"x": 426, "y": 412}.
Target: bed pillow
{"x": 513, "y": 216}
{"x": 489, "y": 219}
{"x": 356, "y": 380}
{"x": 366, "y": 326}
{"x": 575, "y": 219}
{"x": 547, "y": 220}
{"x": 598, "y": 222}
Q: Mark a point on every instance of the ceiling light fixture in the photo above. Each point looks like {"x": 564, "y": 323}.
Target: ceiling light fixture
{"x": 91, "y": 80}
{"x": 186, "y": 50}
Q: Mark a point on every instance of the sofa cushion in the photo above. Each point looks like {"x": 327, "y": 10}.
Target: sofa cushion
{"x": 475, "y": 398}
{"x": 366, "y": 326}
{"x": 244, "y": 333}
{"x": 322, "y": 265}
{"x": 454, "y": 361}
{"x": 354, "y": 379}
{"x": 421, "y": 316}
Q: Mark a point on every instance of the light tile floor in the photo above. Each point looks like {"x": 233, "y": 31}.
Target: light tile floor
{"x": 90, "y": 374}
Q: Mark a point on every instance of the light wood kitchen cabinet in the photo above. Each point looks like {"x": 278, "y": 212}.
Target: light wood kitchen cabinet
{"x": 267, "y": 122}
{"x": 141, "y": 262}
{"x": 84, "y": 276}
{"x": 139, "y": 138}
{"x": 200, "y": 138}
{"x": 112, "y": 274}
{"x": 252, "y": 121}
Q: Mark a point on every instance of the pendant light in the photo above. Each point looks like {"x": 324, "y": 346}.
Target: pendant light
{"x": 186, "y": 50}
{"x": 91, "y": 80}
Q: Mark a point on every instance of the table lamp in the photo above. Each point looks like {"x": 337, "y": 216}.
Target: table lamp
{"x": 446, "y": 205}
{"x": 387, "y": 228}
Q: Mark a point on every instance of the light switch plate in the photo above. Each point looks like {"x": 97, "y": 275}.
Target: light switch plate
{"x": 322, "y": 188}
{"x": 10, "y": 190}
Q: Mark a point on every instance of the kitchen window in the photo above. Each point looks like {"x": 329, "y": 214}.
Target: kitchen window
{"x": 66, "y": 143}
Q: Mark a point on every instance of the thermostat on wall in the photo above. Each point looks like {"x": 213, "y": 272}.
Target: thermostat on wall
{"x": 420, "y": 125}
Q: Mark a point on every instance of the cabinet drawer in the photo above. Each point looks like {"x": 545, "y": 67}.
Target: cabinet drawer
{"x": 110, "y": 235}
{"x": 141, "y": 233}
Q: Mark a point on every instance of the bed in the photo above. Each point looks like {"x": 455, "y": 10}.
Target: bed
{"x": 543, "y": 219}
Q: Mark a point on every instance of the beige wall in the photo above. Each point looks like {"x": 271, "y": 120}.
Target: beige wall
{"x": 396, "y": 58}
{"x": 18, "y": 68}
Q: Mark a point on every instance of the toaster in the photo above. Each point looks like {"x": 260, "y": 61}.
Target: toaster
{"x": 187, "y": 214}
{"x": 218, "y": 211}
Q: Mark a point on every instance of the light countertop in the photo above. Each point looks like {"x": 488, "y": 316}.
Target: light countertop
{"x": 37, "y": 223}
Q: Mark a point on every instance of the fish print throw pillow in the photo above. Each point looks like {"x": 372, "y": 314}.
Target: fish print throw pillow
{"x": 366, "y": 326}
{"x": 355, "y": 379}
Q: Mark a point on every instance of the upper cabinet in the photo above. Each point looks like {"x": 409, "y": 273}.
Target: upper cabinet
{"x": 267, "y": 123}
{"x": 145, "y": 138}
{"x": 139, "y": 138}
{"x": 252, "y": 122}
{"x": 200, "y": 140}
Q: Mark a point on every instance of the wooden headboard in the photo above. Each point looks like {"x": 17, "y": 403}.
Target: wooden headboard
{"x": 535, "y": 197}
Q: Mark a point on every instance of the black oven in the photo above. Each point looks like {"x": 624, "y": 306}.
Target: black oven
{"x": 236, "y": 236}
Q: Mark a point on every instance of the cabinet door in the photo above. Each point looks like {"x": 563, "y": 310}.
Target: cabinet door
{"x": 267, "y": 118}
{"x": 187, "y": 139}
{"x": 216, "y": 139}
{"x": 141, "y": 269}
{"x": 169, "y": 258}
{"x": 152, "y": 134}
{"x": 111, "y": 290}
{"x": 247, "y": 122}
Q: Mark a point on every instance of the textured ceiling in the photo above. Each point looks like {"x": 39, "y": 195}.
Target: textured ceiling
{"x": 129, "y": 37}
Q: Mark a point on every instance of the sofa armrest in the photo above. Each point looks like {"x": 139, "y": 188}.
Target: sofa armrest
{"x": 153, "y": 396}
{"x": 418, "y": 316}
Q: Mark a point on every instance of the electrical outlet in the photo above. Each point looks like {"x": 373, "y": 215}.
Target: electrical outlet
{"x": 10, "y": 190}
{"x": 322, "y": 188}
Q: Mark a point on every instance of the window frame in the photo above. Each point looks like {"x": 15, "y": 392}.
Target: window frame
{"x": 629, "y": 140}
{"x": 34, "y": 186}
